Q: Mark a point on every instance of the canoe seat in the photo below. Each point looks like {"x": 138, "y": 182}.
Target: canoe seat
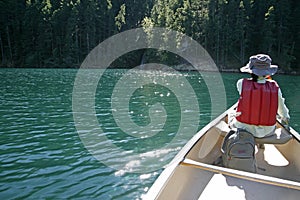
{"x": 280, "y": 136}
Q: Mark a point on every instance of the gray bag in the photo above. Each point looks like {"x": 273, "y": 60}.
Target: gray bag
{"x": 238, "y": 150}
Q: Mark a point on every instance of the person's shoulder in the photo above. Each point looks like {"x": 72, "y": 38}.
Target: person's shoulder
{"x": 272, "y": 81}
{"x": 241, "y": 80}
{"x": 239, "y": 84}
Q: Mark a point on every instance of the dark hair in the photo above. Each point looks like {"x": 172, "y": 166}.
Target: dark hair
{"x": 254, "y": 77}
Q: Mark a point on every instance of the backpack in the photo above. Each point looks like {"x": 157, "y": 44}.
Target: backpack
{"x": 238, "y": 150}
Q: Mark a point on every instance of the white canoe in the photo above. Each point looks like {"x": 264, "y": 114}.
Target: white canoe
{"x": 193, "y": 174}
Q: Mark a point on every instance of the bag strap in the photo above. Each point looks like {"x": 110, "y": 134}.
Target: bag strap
{"x": 230, "y": 133}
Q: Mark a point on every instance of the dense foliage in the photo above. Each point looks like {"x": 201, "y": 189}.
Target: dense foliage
{"x": 60, "y": 33}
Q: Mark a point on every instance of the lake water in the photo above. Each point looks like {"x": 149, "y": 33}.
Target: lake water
{"x": 44, "y": 156}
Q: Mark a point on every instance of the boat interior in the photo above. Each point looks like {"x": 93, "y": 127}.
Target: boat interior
{"x": 200, "y": 175}
{"x": 275, "y": 155}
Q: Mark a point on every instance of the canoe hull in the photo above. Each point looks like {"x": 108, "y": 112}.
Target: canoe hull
{"x": 194, "y": 172}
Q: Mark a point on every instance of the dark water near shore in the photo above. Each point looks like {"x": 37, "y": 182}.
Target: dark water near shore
{"x": 43, "y": 157}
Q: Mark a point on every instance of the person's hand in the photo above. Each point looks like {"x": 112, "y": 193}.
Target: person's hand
{"x": 285, "y": 123}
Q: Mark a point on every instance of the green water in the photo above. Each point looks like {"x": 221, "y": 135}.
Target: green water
{"x": 43, "y": 157}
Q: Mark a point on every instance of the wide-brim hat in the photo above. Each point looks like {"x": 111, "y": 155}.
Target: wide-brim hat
{"x": 260, "y": 65}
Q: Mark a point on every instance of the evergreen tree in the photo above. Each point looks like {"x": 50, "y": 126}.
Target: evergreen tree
{"x": 60, "y": 33}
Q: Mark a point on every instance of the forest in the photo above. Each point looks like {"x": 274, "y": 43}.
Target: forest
{"x": 60, "y": 33}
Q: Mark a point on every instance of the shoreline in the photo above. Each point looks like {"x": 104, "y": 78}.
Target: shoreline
{"x": 177, "y": 68}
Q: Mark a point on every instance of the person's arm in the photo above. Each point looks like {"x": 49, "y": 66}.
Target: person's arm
{"x": 282, "y": 111}
{"x": 239, "y": 84}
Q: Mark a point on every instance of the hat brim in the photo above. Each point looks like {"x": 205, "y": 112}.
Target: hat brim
{"x": 260, "y": 72}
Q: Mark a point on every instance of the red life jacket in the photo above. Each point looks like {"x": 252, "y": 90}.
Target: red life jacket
{"x": 258, "y": 103}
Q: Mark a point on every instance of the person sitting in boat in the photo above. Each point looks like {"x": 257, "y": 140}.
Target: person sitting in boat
{"x": 260, "y": 99}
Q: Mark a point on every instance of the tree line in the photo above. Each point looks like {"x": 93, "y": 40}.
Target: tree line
{"x": 60, "y": 33}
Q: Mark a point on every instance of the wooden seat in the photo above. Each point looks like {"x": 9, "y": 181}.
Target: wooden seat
{"x": 280, "y": 136}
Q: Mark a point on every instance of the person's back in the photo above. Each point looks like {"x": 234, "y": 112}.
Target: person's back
{"x": 258, "y": 103}
{"x": 260, "y": 99}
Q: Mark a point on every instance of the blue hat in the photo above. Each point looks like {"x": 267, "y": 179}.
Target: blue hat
{"x": 260, "y": 65}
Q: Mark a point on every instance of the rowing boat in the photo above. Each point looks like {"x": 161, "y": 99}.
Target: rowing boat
{"x": 195, "y": 172}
